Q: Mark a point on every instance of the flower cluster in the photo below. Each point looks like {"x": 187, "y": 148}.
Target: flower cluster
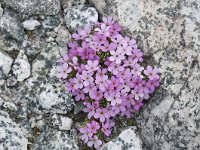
{"x": 103, "y": 70}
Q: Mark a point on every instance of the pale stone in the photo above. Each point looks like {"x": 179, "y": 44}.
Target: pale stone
{"x": 21, "y": 68}
{"x": 30, "y": 24}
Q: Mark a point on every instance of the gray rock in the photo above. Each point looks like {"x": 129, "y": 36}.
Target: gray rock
{"x": 61, "y": 122}
{"x": 5, "y": 66}
{"x": 71, "y": 3}
{"x": 32, "y": 7}
{"x": 63, "y": 37}
{"x": 1, "y": 11}
{"x": 10, "y": 24}
{"x": 167, "y": 31}
{"x": 5, "y": 62}
{"x": 1, "y": 101}
{"x": 127, "y": 13}
{"x": 54, "y": 140}
{"x": 30, "y": 24}
{"x": 127, "y": 140}
{"x": 8, "y": 45}
{"x": 33, "y": 46}
{"x": 42, "y": 89}
{"x": 8, "y": 106}
{"x": 10, "y": 134}
{"x": 11, "y": 81}
{"x": 79, "y": 16}
{"x": 51, "y": 22}
{"x": 21, "y": 68}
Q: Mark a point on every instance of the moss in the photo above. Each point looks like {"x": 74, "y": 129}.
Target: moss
{"x": 29, "y": 34}
{"x": 131, "y": 122}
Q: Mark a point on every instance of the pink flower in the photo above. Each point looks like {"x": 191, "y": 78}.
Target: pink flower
{"x": 64, "y": 59}
{"x": 92, "y": 66}
{"x": 96, "y": 104}
{"x": 115, "y": 28}
{"x": 128, "y": 112}
{"x": 105, "y": 128}
{"x": 99, "y": 38}
{"x": 103, "y": 30}
{"x": 102, "y": 70}
{"x": 96, "y": 94}
{"x": 100, "y": 73}
{"x": 87, "y": 78}
{"x": 127, "y": 49}
{"x": 126, "y": 86}
{"x": 127, "y": 99}
{"x": 117, "y": 55}
{"x": 107, "y": 61}
{"x": 82, "y": 34}
{"x": 79, "y": 95}
{"x": 119, "y": 108}
{"x": 86, "y": 134}
{"x": 63, "y": 71}
{"x": 73, "y": 51}
{"x": 115, "y": 98}
{"x": 151, "y": 73}
{"x": 78, "y": 82}
{"x": 101, "y": 82}
{"x": 137, "y": 54}
{"x": 137, "y": 95}
{"x": 143, "y": 88}
{"x": 101, "y": 114}
{"x": 131, "y": 42}
{"x": 136, "y": 82}
{"x": 137, "y": 69}
{"x": 80, "y": 68}
{"x": 130, "y": 62}
{"x": 89, "y": 88}
{"x": 88, "y": 53}
{"x": 152, "y": 84}
{"x": 73, "y": 45}
{"x": 106, "y": 47}
{"x": 94, "y": 141}
{"x": 115, "y": 68}
{"x": 74, "y": 62}
{"x": 138, "y": 104}
{"x": 113, "y": 83}
{"x": 108, "y": 20}
{"x": 90, "y": 109}
{"x": 69, "y": 85}
{"x": 126, "y": 74}
{"x": 118, "y": 39}
{"x": 93, "y": 126}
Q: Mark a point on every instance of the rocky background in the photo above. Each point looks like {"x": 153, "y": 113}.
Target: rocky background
{"x": 37, "y": 114}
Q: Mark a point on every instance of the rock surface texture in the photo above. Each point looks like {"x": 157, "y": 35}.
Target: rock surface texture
{"x": 36, "y": 112}
{"x": 54, "y": 140}
{"x": 10, "y": 24}
{"x": 5, "y": 66}
{"x": 21, "y": 67}
{"x": 80, "y": 16}
{"x": 127, "y": 140}
{"x": 32, "y": 7}
{"x": 10, "y": 134}
{"x": 168, "y": 32}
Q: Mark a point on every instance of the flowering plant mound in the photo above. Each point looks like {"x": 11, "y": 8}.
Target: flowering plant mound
{"x": 103, "y": 70}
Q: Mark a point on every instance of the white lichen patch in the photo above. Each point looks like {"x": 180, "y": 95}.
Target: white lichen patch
{"x": 21, "y": 67}
{"x": 5, "y": 62}
{"x": 30, "y": 24}
{"x": 63, "y": 123}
